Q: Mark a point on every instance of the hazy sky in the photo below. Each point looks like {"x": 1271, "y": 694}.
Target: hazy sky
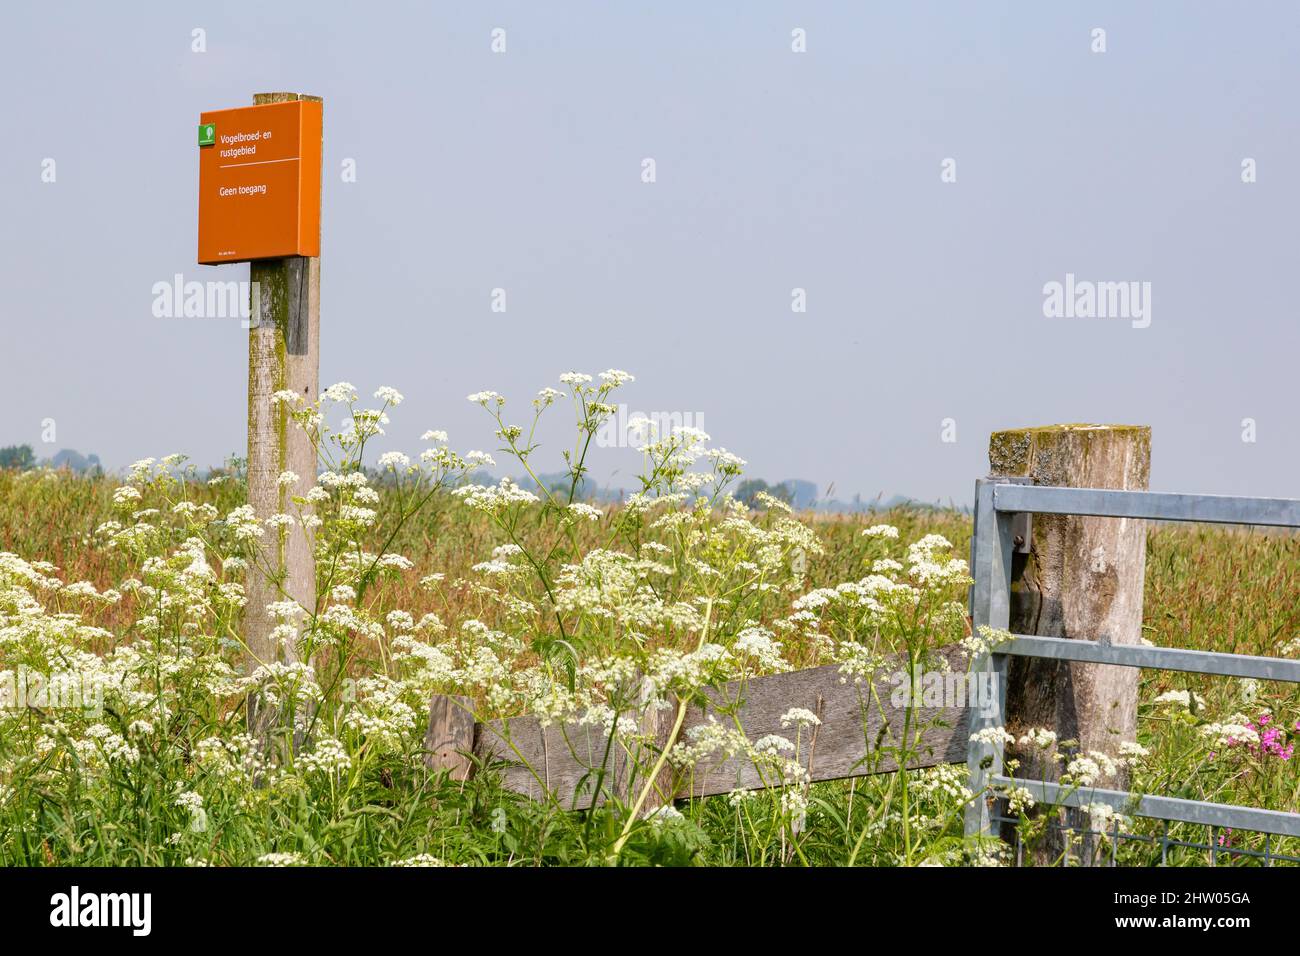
{"x": 775, "y": 170}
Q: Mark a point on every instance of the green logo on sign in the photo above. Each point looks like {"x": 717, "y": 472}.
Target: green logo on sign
{"x": 207, "y": 134}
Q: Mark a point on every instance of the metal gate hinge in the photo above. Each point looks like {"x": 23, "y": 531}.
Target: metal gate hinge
{"x": 1022, "y": 531}
{"x": 1022, "y": 524}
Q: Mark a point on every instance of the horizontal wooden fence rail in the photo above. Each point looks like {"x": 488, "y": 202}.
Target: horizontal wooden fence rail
{"x": 859, "y": 734}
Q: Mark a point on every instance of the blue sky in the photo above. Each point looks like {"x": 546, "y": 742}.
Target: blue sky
{"x": 775, "y": 170}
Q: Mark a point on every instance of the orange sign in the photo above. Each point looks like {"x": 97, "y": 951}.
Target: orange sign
{"x": 259, "y": 182}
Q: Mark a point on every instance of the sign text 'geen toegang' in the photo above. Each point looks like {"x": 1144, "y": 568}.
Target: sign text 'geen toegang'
{"x": 259, "y": 182}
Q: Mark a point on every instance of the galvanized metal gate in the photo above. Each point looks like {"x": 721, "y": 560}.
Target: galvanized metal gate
{"x": 1000, "y": 508}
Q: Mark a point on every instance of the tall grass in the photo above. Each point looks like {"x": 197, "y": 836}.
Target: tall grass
{"x": 167, "y": 774}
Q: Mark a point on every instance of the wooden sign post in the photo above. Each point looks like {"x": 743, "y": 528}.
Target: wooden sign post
{"x": 259, "y": 201}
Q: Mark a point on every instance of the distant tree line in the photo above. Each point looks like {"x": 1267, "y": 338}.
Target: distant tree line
{"x": 22, "y": 458}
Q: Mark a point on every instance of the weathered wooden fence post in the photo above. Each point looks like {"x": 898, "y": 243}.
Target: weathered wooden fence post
{"x": 283, "y": 354}
{"x": 1082, "y": 578}
{"x": 449, "y": 741}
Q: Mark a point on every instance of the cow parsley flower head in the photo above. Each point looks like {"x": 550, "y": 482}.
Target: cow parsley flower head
{"x": 614, "y": 377}
{"x": 1181, "y": 698}
{"x": 1039, "y": 737}
{"x": 1131, "y": 752}
{"x": 757, "y": 644}
{"x": 243, "y": 523}
{"x": 1236, "y": 730}
{"x": 985, "y": 640}
{"x": 1087, "y": 769}
{"x": 580, "y": 510}
{"x": 773, "y": 744}
{"x": 193, "y": 803}
{"x": 1019, "y": 799}
{"x": 547, "y": 397}
{"x": 343, "y": 393}
{"x": 328, "y": 757}
{"x": 880, "y": 531}
{"x": 664, "y": 814}
{"x": 992, "y": 736}
{"x": 125, "y": 494}
{"x": 801, "y": 717}
{"x": 1102, "y": 817}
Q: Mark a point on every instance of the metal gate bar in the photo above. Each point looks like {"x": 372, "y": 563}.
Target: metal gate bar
{"x": 1154, "y": 658}
{"x": 1175, "y": 809}
{"x": 1216, "y": 845}
{"x": 1154, "y": 505}
{"x": 997, "y": 503}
